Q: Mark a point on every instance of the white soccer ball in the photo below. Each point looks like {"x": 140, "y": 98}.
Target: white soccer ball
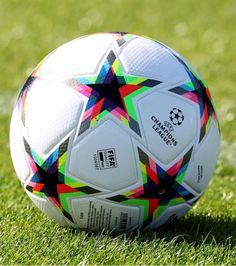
{"x": 114, "y": 131}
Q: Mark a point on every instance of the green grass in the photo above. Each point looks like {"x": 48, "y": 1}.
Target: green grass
{"x": 203, "y": 32}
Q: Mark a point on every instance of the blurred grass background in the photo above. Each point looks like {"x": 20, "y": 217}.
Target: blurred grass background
{"x": 204, "y": 33}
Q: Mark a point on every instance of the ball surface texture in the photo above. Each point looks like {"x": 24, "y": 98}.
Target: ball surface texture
{"x": 114, "y": 131}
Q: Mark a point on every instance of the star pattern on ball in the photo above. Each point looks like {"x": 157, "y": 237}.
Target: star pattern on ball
{"x": 197, "y": 91}
{"x": 111, "y": 91}
{"x": 21, "y": 100}
{"x": 49, "y": 179}
{"x": 122, "y": 37}
{"x": 160, "y": 189}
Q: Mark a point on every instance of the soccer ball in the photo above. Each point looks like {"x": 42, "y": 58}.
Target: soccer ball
{"x": 114, "y": 131}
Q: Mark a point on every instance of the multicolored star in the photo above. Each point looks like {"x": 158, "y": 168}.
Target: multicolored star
{"x": 22, "y": 96}
{"x": 122, "y": 37}
{"x": 197, "y": 91}
{"x": 111, "y": 92}
{"x": 160, "y": 189}
{"x": 50, "y": 180}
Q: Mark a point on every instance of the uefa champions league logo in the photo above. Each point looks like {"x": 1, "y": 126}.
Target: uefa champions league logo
{"x": 176, "y": 117}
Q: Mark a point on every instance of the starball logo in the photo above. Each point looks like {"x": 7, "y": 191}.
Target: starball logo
{"x": 164, "y": 129}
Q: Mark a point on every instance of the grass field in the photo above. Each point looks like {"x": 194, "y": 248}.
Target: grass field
{"x": 203, "y": 32}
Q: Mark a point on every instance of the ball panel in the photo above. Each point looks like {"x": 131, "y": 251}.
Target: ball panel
{"x": 181, "y": 59}
{"x": 170, "y": 215}
{"x": 203, "y": 164}
{"x": 46, "y": 207}
{"x": 97, "y": 214}
{"x": 17, "y": 147}
{"x": 52, "y": 111}
{"x": 105, "y": 158}
{"x": 167, "y": 138}
{"x": 145, "y": 57}
{"x": 76, "y": 57}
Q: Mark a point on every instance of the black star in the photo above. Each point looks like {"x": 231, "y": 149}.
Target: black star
{"x": 159, "y": 189}
{"x": 50, "y": 179}
{"x": 47, "y": 174}
{"x": 110, "y": 92}
{"x": 162, "y": 191}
